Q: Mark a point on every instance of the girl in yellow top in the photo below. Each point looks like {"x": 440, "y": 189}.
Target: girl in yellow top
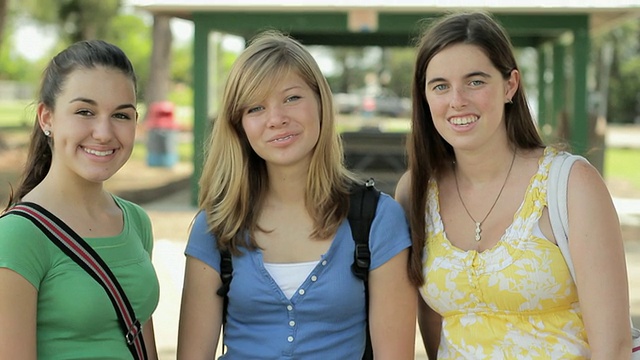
{"x": 496, "y": 285}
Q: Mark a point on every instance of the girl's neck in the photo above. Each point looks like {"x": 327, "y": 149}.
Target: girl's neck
{"x": 56, "y": 193}
{"x": 484, "y": 165}
{"x": 287, "y": 185}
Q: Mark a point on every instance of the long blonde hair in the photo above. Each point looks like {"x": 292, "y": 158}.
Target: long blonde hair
{"x": 234, "y": 178}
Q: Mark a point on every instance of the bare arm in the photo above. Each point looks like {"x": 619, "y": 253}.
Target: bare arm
{"x": 150, "y": 340}
{"x": 18, "y": 304}
{"x": 392, "y": 310}
{"x": 200, "y": 312}
{"x": 430, "y": 323}
{"x": 402, "y": 192}
{"x": 597, "y": 251}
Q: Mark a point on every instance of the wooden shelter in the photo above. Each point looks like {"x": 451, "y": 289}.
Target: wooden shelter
{"x": 559, "y": 30}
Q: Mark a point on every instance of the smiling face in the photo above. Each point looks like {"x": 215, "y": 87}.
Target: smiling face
{"x": 93, "y": 124}
{"x": 467, "y": 94}
{"x": 283, "y": 129}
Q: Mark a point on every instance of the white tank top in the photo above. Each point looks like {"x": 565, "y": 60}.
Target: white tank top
{"x": 290, "y": 276}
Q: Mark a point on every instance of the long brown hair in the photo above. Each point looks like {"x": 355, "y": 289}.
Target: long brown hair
{"x": 428, "y": 153}
{"x": 81, "y": 55}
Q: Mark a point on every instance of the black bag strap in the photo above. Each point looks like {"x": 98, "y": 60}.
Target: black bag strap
{"x": 226, "y": 269}
{"x": 77, "y": 249}
{"x": 362, "y": 209}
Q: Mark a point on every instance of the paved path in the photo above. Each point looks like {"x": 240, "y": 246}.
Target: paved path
{"x": 172, "y": 215}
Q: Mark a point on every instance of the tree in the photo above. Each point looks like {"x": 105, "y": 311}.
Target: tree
{"x": 4, "y": 8}
{"x": 351, "y": 68}
{"x": 399, "y": 63}
{"x": 76, "y": 19}
{"x": 157, "y": 88}
{"x": 623, "y": 91}
{"x": 132, "y": 34}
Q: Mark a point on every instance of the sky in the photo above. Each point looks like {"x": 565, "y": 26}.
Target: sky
{"x": 31, "y": 41}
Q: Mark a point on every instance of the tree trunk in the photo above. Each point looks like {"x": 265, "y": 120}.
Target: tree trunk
{"x": 160, "y": 71}
{"x": 4, "y": 7}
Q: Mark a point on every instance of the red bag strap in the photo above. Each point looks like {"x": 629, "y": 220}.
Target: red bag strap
{"x": 77, "y": 249}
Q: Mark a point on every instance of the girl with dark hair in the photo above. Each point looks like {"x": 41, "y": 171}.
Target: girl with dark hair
{"x": 50, "y": 307}
{"x": 496, "y": 284}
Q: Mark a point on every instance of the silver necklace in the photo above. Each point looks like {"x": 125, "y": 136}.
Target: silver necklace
{"x": 479, "y": 223}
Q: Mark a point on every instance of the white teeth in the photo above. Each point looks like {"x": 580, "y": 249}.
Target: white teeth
{"x": 284, "y": 138}
{"x": 464, "y": 120}
{"x": 98, "y": 153}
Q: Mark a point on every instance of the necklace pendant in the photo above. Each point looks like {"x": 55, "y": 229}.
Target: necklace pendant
{"x": 478, "y": 230}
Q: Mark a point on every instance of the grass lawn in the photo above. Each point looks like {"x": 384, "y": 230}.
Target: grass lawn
{"x": 16, "y": 114}
{"x": 623, "y": 164}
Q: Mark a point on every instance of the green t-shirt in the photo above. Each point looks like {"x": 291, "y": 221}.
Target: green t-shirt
{"x": 76, "y": 319}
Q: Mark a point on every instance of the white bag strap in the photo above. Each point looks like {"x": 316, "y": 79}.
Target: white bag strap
{"x": 557, "y": 186}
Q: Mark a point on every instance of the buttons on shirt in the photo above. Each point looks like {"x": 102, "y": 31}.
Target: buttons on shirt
{"x": 314, "y": 278}
{"x": 289, "y": 307}
{"x": 292, "y": 323}
{"x": 324, "y": 262}
{"x": 301, "y": 291}
{"x": 290, "y": 338}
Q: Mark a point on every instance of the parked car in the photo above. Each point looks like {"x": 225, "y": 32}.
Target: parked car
{"x": 347, "y": 103}
{"x": 385, "y": 102}
{"x": 376, "y": 101}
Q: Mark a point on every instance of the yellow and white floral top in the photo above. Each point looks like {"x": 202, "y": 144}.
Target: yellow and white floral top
{"x": 514, "y": 301}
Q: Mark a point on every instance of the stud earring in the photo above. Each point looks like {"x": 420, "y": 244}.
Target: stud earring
{"x": 47, "y": 133}
{"x": 509, "y": 101}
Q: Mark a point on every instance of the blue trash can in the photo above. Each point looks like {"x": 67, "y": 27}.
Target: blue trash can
{"x": 162, "y": 132}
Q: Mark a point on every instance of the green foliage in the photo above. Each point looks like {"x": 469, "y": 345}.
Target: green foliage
{"x": 182, "y": 64}
{"x": 624, "y": 93}
{"x": 133, "y": 36}
{"x": 75, "y": 19}
{"x": 400, "y": 63}
{"x": 351, "y": 68}
{"x": 13, "y": 66}
{"x": 624, "y": 82}
{"x": 181, "y": 95}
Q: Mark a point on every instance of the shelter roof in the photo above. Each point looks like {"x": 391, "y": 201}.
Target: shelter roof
{"x": 603, "y": 13}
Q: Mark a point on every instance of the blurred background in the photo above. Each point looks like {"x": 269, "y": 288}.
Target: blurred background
{"x": 371, "y": 86}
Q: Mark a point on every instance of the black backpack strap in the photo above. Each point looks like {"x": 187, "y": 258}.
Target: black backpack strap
{"x": 362, "y": 209}
{"x": 226, "y": 273}
{"x": 69, "y": 242}
{"x": 226, "y": 270}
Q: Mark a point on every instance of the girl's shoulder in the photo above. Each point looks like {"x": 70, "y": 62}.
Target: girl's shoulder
{"x": 131, "y": 208}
